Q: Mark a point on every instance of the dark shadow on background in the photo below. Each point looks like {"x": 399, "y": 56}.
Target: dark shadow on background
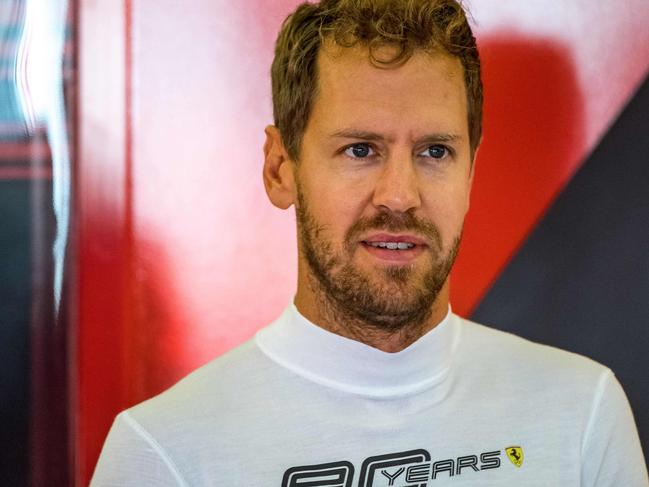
{"x": 15, "y": 301}
{"x": 581, "y": 281}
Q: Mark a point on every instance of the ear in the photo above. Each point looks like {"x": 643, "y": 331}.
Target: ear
{"x": 279, "y": 180}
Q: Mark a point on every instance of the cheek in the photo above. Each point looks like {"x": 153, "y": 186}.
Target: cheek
{"x": 447, "y": 208}
{"x": 334, "y": 205}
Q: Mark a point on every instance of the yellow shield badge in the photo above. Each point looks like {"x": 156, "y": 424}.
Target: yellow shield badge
{"x": 515, "y": 454}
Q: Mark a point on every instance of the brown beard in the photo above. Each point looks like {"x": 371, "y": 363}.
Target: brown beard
{"x": 353, "y": 300}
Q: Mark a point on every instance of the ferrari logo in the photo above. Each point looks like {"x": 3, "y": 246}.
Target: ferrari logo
{"x": 515, "y": 454}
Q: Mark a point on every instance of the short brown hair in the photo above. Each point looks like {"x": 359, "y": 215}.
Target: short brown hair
{"x": 408, "y": 25}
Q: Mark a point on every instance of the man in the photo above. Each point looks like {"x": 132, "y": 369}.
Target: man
{"x": 367, "y": 378}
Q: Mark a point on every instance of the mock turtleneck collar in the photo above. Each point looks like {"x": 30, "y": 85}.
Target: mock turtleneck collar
{"x": 348, "y": 365}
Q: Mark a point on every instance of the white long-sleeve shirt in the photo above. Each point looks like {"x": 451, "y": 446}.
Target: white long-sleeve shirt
{"x": 465, "y": 405}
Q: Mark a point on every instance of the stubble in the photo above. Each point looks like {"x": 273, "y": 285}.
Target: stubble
{"x": 398, "y": 299}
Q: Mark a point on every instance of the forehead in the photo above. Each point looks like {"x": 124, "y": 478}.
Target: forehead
{"x": 426, "y": 90}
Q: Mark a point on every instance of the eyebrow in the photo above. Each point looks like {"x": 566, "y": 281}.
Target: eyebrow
{"x": 373, "y": 136}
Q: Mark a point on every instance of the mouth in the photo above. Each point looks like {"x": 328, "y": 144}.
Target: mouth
{"x": 391, "y": 245}
{"x": 393, "y": 248}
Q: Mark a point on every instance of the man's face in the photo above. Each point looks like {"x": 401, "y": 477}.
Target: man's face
{"x": 383, "y": 183}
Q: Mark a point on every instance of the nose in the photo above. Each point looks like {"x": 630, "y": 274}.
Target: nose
{"x": 397, "y": 187}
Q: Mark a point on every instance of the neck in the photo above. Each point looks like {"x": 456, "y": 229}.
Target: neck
{"x": 319, "y": 308}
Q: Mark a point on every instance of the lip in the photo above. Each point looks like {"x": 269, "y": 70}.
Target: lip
{"x": 394, "y": 256}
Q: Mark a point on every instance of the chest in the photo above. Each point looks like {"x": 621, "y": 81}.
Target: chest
{"x": 453, "y": 445}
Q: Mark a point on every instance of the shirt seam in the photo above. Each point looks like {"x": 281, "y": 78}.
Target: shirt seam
{"x": 379, "y": 393}
{"x": 383, "y": 393}
{"x": 595, "y": 406}
{"x": 146, "y": 436}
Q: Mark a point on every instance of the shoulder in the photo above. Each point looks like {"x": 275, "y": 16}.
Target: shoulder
{"x": 207, "y": 409}
{"x": 567, "y": 401}
{"x": 146, "y": 441}
{"x": 227, "y": 383}
{"x": 518, "y": 359}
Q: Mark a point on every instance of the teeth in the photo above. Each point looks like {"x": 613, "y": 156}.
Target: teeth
{"x": 392, "y": 245}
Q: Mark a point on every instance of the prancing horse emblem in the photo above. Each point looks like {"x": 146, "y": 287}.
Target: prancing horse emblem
{"x": 515, "y": 454}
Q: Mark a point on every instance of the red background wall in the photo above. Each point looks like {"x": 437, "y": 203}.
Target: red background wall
{"x": 180, "y": 255}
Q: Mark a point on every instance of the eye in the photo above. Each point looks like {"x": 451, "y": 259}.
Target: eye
{"x": 436, "y": 151}
{"x": 359, "y": 151}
